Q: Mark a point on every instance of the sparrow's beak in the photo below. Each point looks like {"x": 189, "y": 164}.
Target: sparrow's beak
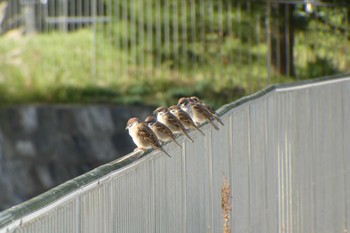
{"x": 127, "y": 127}
{"x": 155, "y": 112}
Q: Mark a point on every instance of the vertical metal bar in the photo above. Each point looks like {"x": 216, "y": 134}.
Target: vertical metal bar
{"x": 117, "y": 37}
{"x": 210, "y": 182}
{"x": 287, "y": 35}
{"x": 133, "y": 29}
{"x": 250, "y": 34}
{"x": 166, "y": 13}
{"x": 94, "y": 40}
{"x": 141, "y": 38}
{"x": 193, "y": 34}
{"x": 184, "y": 60}
{"x": 72, "y": 13}
{"x": 150, "y": 21}
{"x": 203, "y": 27}
{"x": 268, "y": 39}
{"x": 249, "y": 164}
{"x": 240, "y": 56}
{"x": 220, "y": 35}
{"x": 111, "y": 52}
{"x": 230, "y": 37}
{"x": 126, "y": 35}
{"x": 64, "y": 16}
{"x": 29, "y": 17}
{"x": 159, "y": 40}
{"x": 184, "y": 188}
{"x": 175, "y": 38}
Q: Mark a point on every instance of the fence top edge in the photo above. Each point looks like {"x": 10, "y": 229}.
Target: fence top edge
{"x": 281, "y": 87}
{"x": 15, "y": 214}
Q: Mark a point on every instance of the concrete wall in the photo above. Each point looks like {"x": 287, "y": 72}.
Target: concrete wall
{"x": 43, "y": 146}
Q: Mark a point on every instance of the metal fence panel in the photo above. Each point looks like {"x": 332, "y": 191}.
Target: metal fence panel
{"x": 271, "y": 164}
{"x": 240, "y": 170}
{"x": 198, "y": 183}
{"x": 220, "y": 156}
{"x": 284, "y": 152}
{"x": 346, "y": 149}
{"x": 327, "y": 109}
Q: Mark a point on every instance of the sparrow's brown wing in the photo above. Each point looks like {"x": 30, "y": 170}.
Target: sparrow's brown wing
{"x": 184, "y": 117}
{"x": 148, "y": 135}
{"x": 164, "y": 129}
{"x": 201, "y": 110}
{"x": 210, "y": 109}
{"x": 213, "y": 113}
{"x": 174, "y": 121}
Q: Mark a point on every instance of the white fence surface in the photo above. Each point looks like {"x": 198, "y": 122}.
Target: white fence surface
{"x": 285, "y": 152}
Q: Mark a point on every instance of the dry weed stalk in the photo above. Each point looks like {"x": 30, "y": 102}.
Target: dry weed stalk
{"x": 226, "y": 204}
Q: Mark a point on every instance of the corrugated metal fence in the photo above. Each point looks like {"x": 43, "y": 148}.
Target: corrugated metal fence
{"x": 285, "y": 152}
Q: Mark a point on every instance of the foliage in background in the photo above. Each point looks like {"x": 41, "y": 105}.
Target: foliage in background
{"x": 153, "y": 58}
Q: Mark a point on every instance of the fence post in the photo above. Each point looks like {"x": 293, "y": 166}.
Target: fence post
{"x": 29, "y": 16}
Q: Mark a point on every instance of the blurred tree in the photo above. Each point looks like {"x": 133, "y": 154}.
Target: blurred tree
{"x": 340, "y": 25}
{"x": 282, "y": 37}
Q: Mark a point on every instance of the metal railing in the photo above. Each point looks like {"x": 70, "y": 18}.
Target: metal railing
{"x": 235, "y": 40}
{"x": 285, "y": 152}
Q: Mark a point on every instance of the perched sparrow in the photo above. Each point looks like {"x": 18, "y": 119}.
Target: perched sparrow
{"x": 163, "y": 133}
{"x": 207, "y": 107}
{"x": 184, "y": 118}
{"x": 200, "y": 114}
{"x": 143, "y": 136}
{"x": 164, "y": 116}
{"x": 183, "y": 103}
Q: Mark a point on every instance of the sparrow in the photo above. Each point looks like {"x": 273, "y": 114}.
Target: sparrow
{"x": 184, "y": 118}
{"x": 200, "y": 114}
{"x": 163, "y": 133}
{"x": 167, "y": 118}
{"x": 183, "y": 103}
{"x": 207, "y": 107}
{"x": 143, "y": 136}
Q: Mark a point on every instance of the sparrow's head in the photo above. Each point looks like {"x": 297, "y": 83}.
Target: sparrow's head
{"x": 174, "y": 108}
{"x": 182, "y": 102}
{"x": 150, "y": 120}
{"x": 161, "y": 111}
{"x": 132, "y": 122}
{"x": 195, "y": 99}
{"x": 191, "y": 102}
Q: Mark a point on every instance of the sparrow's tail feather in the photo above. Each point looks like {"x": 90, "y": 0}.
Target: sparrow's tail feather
{"x": 184, "y": 131}
{"x": 214, "y": 125}
{"x": 199, "y": 130}
{"x": 161, "y": 148}
{"x": 218, "y": 119}
{"x": 177, "y": 143}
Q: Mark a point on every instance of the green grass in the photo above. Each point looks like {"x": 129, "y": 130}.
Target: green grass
{"x": 59, "y": 67}
{"x": 56, "y": 68}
